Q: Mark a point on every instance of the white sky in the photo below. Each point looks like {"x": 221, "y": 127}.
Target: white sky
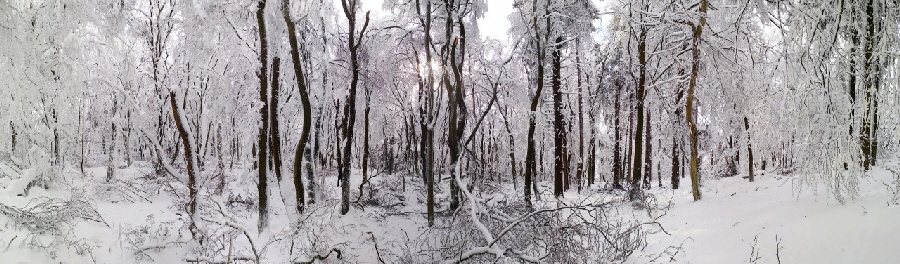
{"x": 495, "y": 23}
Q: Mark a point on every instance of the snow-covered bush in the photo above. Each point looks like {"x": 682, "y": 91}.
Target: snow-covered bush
{"x": 41, "y": 220}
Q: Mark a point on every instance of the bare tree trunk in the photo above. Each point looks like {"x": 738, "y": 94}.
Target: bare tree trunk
{"x": 580, "y": 170}
{"x": 189, "y": 159}
{"x": 617, "y": 146}
{"x": 689, "y": 107}
{"x": 307, "y": 110}
{"x": 349, "y": 120}
{"x": 675, "y": 164}
{"x": 559, "y": 130}
{"x": 275, "y": 140}
{"x": 512, "y": 148}
{"x": 365, "y": 157}
{"x": 220, "y": 166}
{"x": 530, "y": 153}
{"x": 629, "y": 151}
{"x": 457, "y": 115}
{"x": 426, "y": 111}
{"x": 869, "y": 72}
{"x": 749, "y": 150}
{"x": 639, "y": 126}
{"x": 262, "y": 154}
{"x": 111, "y": 168}
{"x": 648, "y": 162}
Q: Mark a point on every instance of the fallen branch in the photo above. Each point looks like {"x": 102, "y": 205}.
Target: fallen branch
{"x": 321, "y": 257}
{"x": 377, "y": 251}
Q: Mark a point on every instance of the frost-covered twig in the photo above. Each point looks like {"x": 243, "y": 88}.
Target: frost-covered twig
{"x": 486, "y": 234}
{"x": 227, "y": 221}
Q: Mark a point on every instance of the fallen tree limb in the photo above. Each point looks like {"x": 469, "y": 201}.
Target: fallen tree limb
{"x": 321, "y": 257}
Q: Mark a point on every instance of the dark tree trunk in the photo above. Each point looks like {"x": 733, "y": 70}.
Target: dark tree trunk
{"x": 365, "y": 156}
{"x": 426, "y": 111}
{"x": 275, "y": 140}
{"x": 749, "y": 150}
{"x": 512, "y": 148}
{"x": 867, "y": 135}
{"x": 530, "y": 153}
{"x": 580, "y": 169}
{"x": 262, "y": 155}
{"x": 457, "y": 115}
{"x": 559, "y": 127}
{"x": 675, "y": 164}
{"x": 189, "y": 159}
{"x": 639, "y": 126}
{"x": 648, "y": 162}
{"x": 349, "y": 120}
{"x": 617, "y": 146}
{"x": 689, "y": 106}
{"x": 307, "y": 111}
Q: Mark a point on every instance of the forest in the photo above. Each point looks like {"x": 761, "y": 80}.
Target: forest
{"x": 449, "y": 131}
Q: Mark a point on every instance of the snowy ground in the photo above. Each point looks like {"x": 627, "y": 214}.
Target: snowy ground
{"x": 769, "y": 221}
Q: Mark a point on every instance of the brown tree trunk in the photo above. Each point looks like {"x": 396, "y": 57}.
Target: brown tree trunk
{"x": 307, "y": 110}
{"x": 349, "y": 120}
{"x": 275, "y": 140}
{"x": 639, "y": 126}
{"x": 869, "y": 72}
{"x": 262, "y": 154}
{"x": 689, "y": 106}
{"x": 457, "y": 114}
{"x": 189, "y": 159}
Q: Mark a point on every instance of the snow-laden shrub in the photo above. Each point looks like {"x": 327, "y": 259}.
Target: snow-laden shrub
{"x": 42, "y": 220}
{"x": 144, "y": 239}
{"x": 599, "y": 229}
{"x": 51, "y": 215}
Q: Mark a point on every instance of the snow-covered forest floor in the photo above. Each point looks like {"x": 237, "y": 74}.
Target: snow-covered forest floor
{"x": 777, "y": 219}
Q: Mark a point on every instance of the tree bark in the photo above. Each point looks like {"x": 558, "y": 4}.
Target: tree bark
{"x": 749, "y": 150}
{"x": 689, "y": 106}
{"x": 307, "y": 110}
{"x": 675, "y": 164}
{"x": 426, "y": 111}
{"x": 648, "y": 162}
{"x": 262, "y": 154}
{"x": 639, "y": 126}
{"x": 530, "y": 153}
{"x": 189, "y": 159}
{"x": 353, "y": 43}
{"x": 580, "y": 169}
{"x": 869, "y": 72}
{"x": 275, "y": 140}
{"x": 560, "y": 171}
{"x": 617, "y": 146}
{"x": 457, "y": 115}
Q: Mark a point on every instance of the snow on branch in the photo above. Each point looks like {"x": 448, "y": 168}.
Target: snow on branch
{"x": 159, "y": 152}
